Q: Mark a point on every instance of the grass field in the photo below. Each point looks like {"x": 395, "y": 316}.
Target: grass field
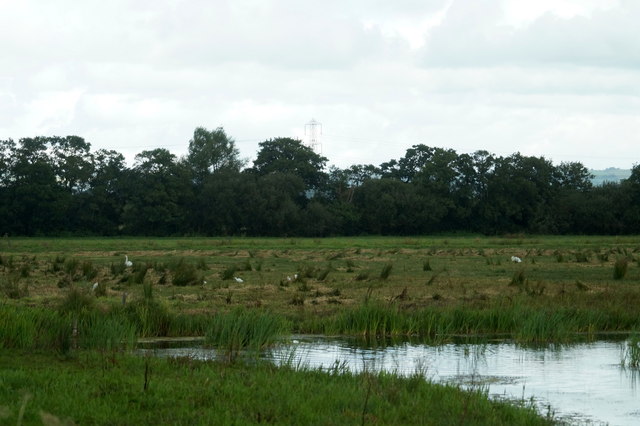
{"x": 309, "y": 280}
{"x": 243, "y": 293}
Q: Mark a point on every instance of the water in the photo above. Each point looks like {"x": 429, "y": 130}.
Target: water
{"x": 580, "y": 383}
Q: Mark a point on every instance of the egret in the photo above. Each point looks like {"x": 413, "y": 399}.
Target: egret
{"x": 127, "y": 262}
{"x": 238, "y": 279}
{"x": 94, "y": 287}
{"x": 516, "y": 259}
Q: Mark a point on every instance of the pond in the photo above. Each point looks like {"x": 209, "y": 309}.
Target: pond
{"x": 579, "y": 383}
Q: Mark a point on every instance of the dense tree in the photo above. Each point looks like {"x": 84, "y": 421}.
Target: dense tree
{"x": 158, "y": 188}
{"x": 38, "y": 202}
{"x": 276, "y": 208}
{"x": 58, "y": 185}
{"x": 290, "y": 156}
{"x": 211, "y": 151}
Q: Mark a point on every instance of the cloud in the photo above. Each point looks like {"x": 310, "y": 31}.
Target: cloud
{"x": 474, "y": 34}
{"x": 547, "y": 77}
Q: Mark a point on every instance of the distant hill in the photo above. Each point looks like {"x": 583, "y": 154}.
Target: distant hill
{"x": 612, "y": 174}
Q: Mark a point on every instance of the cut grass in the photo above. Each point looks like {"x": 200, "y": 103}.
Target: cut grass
{"x": 464, "y": 279}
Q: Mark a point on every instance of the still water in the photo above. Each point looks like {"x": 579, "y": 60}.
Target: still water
{"x": 579, "y": 383}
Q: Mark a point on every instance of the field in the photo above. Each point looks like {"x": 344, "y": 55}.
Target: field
{"x": 563, "y": 288}
{"x": 312, "y": 282}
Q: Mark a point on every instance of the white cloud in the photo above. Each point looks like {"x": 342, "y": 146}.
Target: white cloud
{"x": 555, "y": 78}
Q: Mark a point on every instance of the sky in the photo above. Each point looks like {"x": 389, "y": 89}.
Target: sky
{"x": 552, "y": 78}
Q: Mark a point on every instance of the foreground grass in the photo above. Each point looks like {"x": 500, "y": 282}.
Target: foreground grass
{"x": 99, "y": 388}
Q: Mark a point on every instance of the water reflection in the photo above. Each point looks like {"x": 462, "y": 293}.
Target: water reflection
{"x": 582, "y": 383}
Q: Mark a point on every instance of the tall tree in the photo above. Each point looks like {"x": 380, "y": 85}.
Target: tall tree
{"x": 211, "y": 151}
{"x": 290, "y": 156}
{"x": 39, "y": 202}
{"x": 156, "y": 195}
{"x": 73, "y": 162}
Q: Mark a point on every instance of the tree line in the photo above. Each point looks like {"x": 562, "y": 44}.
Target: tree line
{"x": 60, "y": 186}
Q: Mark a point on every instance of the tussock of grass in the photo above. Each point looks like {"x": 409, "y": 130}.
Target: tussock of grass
{"x": 386, "y": 271}
{"x": 185, "y": 274}
{"x": 76, "y": 301}
{"x": 228, "y": 273}
{"x": 12, "y": 287}
{"x": 426, "y": 265}
{"x": 620, "y": 268}
{"x": 244, "y": 330}
{"x": 519, "y": 278}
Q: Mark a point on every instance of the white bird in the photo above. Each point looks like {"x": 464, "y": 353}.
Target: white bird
{"x": 516, "y": 259}
{"x": 127, "y": 262}
{"x": 238, "y": 279}
{"x": 94, "y": 287}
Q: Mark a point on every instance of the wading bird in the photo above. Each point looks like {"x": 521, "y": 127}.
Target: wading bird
{"x": 516, "y": 259}
{"x": 238, "y": 279}
{"x": 127, "y": 262}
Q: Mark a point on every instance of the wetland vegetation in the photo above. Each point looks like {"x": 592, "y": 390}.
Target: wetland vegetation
{"x": 242, "y": 294}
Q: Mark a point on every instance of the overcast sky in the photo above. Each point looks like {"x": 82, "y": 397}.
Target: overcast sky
{"x": 558, "y": 78}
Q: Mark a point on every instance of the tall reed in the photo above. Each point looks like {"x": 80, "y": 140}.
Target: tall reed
{"x": 631, "y": 353}
{"x": 244, "y": 330}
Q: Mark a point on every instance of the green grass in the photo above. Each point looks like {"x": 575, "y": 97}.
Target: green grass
{"x": 463, "y": 276}
{"x": 244, "y": 330}
{"x": 93, "y": 389}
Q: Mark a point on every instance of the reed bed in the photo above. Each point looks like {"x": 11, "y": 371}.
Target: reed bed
{"x": 244, "y": 330}
{"x": 521, "y": 323}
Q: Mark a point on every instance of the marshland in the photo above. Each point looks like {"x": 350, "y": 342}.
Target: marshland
{"x": 72, "y": 313}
